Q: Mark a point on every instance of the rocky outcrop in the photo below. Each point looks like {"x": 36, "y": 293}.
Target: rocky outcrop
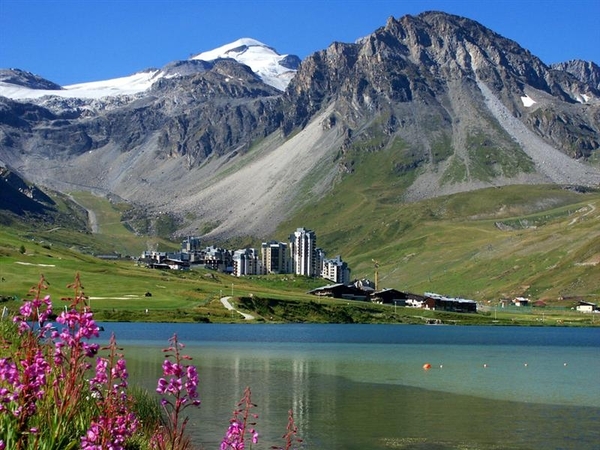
{"x": 27, "y": 79}
{"x": 587, "y": 72}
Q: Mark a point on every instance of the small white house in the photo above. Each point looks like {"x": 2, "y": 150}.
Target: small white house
{"x": 586, "y": 307}
{"x": 520, "y": 301}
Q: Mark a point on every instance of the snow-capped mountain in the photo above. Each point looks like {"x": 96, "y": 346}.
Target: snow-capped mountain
{"x": 274, "y": 69}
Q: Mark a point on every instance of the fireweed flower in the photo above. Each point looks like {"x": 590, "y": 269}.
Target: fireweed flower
{"x": 291, "y": 434}
{"x": 178, "y": 386}
{"x": 116, "y": 422}
{"x": 33, "y": 316}
{"x": 78, "y": 326}
{"x": 9, "y": 383}
{"x": 23, "y": 378}
{"x": 239, "y": 425}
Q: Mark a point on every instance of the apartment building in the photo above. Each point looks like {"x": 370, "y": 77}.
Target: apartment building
{"x": 274, "y": 257}
{"x": 303, "y": 255}
{"x": 336, "y": 270}
{"x": 246, "y": 262}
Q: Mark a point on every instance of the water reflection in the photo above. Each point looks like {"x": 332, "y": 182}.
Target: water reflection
{"x": 376, "y": 396}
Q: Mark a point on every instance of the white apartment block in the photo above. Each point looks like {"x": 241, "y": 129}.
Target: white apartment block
{"x": 303, "y": 253}
{"x": 246, "y": 262}
{"x": 336, "y": 270}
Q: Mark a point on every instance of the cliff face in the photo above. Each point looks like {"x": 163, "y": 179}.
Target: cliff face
{"x": 458, "y": 106}
{"x": 587, "y": 72}
{"x": 429, "y": 66}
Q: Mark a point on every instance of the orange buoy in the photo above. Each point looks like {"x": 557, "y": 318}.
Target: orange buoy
{"x": 426, "y": 366}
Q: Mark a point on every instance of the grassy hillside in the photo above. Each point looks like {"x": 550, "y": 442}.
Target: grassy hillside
{"x": 541, "y": 242}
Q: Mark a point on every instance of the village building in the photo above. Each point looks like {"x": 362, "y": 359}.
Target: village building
{"x": 246, "y": 262}
{"x": 340, "y": 290}
{"x": 335, "y": 270}
{"x": 587, "y": 307}
{"x": 217, "y": 258}
{"x": 440, "y": 303}
{"x": 190, "y": 244}
{"x": 520, "y": 301}
{"x": 303, "y": 253}
{"x": 389, "y": 296}
{"x": 163, "y": 260}
{"x": 274, "y": 257}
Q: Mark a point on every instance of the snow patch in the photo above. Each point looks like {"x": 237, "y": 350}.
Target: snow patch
{"x": 527, "y": 101}
{"x": 583, "y": 98}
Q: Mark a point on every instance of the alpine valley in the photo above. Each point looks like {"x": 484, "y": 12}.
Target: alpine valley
{"x": 433, "y": 145}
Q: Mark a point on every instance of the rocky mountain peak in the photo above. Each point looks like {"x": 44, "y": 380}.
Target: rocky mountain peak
{"x": 26, "y": 79}
{"x": 585, "y": 71}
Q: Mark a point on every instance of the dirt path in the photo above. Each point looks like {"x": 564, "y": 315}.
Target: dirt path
{"x": 226, "y": 304}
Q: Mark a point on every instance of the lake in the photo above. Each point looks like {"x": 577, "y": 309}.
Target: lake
{"x": 364, "y": 386}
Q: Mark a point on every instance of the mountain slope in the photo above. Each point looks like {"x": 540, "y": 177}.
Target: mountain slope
{"x": 460, "y": 96}
{"x": 24, "y": 203}
{"x": 427, "y": 105}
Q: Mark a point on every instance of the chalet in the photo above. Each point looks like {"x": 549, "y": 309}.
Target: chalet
{"x": 520, "y": 301}
{"x": 177, "y": 264}
{"x": 415, "y": 300}
{"x": 389, "y": 296}
{"x": 340, "y": 290}
{"x": 440, "y": 303}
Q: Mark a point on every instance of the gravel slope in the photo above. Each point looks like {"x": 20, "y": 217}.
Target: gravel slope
{"x": 255, "y": 198}
{"x": 554, "y": 164}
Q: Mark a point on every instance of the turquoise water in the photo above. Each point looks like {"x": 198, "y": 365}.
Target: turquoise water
{"x": 364, "y": 386}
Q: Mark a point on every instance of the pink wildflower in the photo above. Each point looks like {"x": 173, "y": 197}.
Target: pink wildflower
{"x": 238, "y": 425}
{"x": 178, "y": 385}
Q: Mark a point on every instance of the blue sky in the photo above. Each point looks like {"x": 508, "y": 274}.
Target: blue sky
{"x": 68, "y": 41}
